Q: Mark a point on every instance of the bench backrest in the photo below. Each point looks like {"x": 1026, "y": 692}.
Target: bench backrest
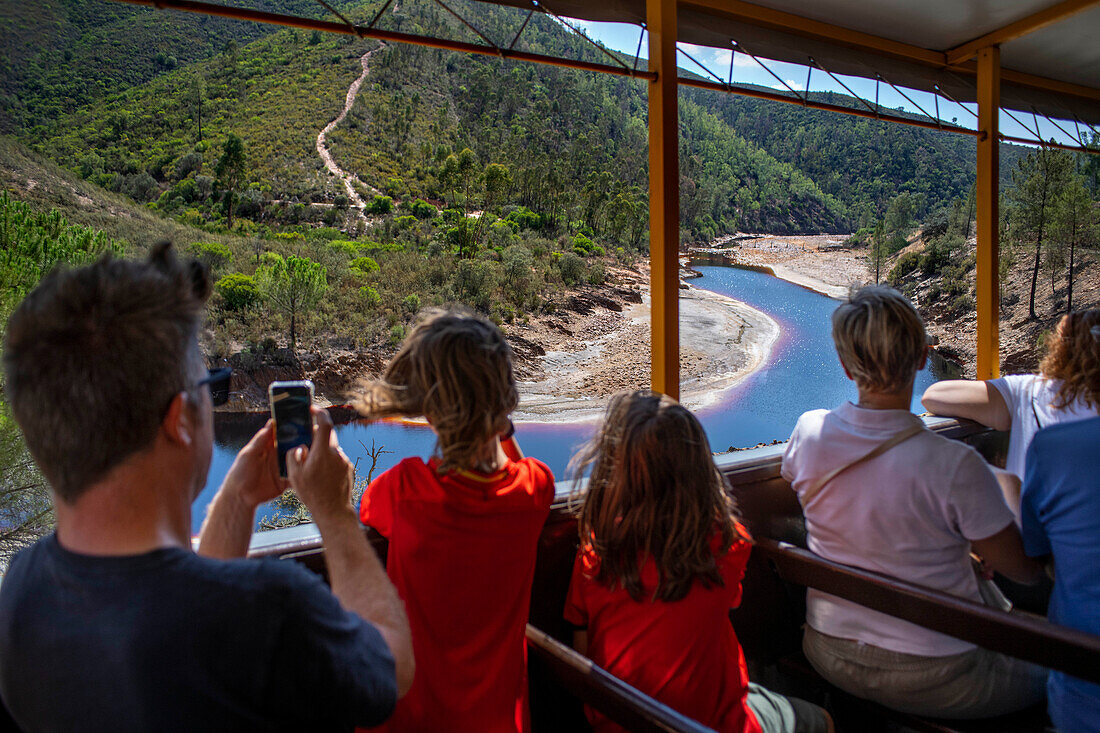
{"x": 1019, "y": 635}
{"x": 772, "y": 513}
{"x": 596, "y": 687}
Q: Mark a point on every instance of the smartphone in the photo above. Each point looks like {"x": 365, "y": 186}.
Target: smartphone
{"x": 290, "y": 402}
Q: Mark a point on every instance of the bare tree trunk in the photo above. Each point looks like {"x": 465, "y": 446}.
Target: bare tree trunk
{"x": 1035, "y": 277}
{"x": 1069, "y": 280}
{"x": 229, "y": 209}
{"x": 293, "y": 333}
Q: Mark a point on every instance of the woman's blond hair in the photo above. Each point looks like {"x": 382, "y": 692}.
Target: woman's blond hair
{"x": 879, "y": 338}
{"x": 654, "y": 492}
{"x": 1073, "y": 356}
{"x": 455, "y": 369}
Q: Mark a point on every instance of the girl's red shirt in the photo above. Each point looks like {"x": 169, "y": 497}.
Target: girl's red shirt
{"x": 683, "y": 653}
{"x": 462, "y": 557}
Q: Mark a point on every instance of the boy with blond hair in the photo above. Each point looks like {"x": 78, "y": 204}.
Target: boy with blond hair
{"x": 883, "y": 493}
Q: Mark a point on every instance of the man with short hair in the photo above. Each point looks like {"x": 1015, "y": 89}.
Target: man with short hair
{"x": 112, "y": 622}
{"x": 883, "y": 493}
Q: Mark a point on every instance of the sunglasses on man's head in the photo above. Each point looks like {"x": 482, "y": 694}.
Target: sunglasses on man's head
{"x": 218, "y": 380}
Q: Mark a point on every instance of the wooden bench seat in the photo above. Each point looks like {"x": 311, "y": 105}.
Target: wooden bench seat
{"x": 594, "y": 686}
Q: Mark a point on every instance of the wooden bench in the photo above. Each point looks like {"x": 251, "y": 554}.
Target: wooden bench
{"x": 561, "y": 680}
{"x": 772, "y": 611}
{"x": 594, "y": 686}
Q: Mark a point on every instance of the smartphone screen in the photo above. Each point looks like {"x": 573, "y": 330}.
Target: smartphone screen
{"x": 290, "y": 402}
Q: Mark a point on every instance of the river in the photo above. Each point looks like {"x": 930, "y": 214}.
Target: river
{"x": 802, "y": 373}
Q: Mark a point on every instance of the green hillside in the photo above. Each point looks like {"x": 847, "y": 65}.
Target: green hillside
{"x": 560, "y": 133}
{"x": 863, "y": 163}
{"x": 57, "y": 55}
{"x": 97, "y": 92}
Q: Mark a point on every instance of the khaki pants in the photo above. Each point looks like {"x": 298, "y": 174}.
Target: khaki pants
{"x": 974, "y": 684}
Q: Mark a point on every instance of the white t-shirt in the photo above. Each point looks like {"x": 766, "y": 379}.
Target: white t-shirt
{"x": 1029, "y": 396}
{"x": 909, "y": 513}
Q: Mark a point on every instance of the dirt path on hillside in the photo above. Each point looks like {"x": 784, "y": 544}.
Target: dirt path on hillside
{"x": 354, "y": 200}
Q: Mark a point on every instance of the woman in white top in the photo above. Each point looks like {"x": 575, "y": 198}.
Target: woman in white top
{"x": 1066, "y": 389}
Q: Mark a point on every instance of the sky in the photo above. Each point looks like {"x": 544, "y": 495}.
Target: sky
{"x": 624, "y": 37}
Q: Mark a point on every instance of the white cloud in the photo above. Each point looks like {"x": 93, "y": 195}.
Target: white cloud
{"x": 790, "y": 82}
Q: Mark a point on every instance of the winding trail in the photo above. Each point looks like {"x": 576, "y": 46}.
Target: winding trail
{"x": 354, "y": 199}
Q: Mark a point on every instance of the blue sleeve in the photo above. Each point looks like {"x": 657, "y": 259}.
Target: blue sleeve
{"x": 330, "y": 665}
{"x": 1036, "y": 542}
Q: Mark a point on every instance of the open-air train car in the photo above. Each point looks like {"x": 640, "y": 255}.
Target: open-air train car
{"x": 1036, "y": 57}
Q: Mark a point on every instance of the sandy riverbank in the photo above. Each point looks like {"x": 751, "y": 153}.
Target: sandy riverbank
{"x": 811, "y": 261}
{"x": 722, "y": 341}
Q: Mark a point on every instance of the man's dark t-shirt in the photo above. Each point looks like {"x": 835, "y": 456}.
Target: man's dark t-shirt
{"x": 170, "y": 640}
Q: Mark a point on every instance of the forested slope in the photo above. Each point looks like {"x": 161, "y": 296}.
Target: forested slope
{"x": 57, "y": 55}
{"x": 863, "y": 163}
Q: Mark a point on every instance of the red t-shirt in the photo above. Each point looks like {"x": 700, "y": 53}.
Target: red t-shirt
{"x": 462, "y": 556}
{"x": 683, "y": 653}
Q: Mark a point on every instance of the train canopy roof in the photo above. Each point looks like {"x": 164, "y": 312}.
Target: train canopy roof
{"x": 1050, "y": 53}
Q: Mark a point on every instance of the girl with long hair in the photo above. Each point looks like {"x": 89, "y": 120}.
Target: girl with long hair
{"x": 660, "y": 566}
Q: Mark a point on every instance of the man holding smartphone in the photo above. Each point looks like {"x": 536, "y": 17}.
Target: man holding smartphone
{"x": 112, "y": 622}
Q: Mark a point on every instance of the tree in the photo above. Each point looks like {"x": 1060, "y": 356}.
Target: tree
{"x": 230, "y": 172}
{"x": 879, "y": 249}
{"x": 1074, "y": 225}
{"x": 1037, "y": 180}
{"x": 497, "y": 180}
{"x": 198, "y": 92}
{"x": 899, "y": 219}
{"x": 291, "y": 285}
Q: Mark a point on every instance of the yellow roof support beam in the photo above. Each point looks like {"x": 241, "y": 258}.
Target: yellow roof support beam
{"x": 664, "y": 200}
{"x": 988, "y": 284}
{"x": 1021, "y": 27}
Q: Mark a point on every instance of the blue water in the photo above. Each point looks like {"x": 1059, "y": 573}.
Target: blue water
{"x": 802, "y": 373}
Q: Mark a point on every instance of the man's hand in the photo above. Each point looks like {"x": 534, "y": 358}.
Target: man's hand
{"x": 252, "y": 479}
{"x": 322, "y": 475}
{"x": 254, "y": 475}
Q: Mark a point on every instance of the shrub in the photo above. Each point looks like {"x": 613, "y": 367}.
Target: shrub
{"x": 572, "y": 268}
{"x": 411, "y": 303}
{"x": 405, "y": 222}
{"x": 364, "y": 265}
{"x": 340, "y": 201}
{"x": 370, "y": 296}
{"x": 501, "y": 234}
{"x": 188, "y": 164}
{"x": 238, "y": 291}
{"x": 141, "y": 187}
{"x": 211, "y": 254}
{"x": 597, "y": 274}
{"x": 422, "y": 209}
{"x": 397, "y": 334}
{"x": 905, "y": 265}
{"x": 343, "y": 246}
{"x": 585, "y": 247}
{"x": 962, "y": 305}
{"x": 394, "y": 187}
{"x": 517, "y": 265}
{"x": 380, "y": 205}
{"x": 524, "y": 218}
{"x": 379, "y": 247}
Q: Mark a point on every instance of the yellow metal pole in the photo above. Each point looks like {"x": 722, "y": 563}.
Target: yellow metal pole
{"x": 989, "y": 100}
{"x": 664, "y": 199}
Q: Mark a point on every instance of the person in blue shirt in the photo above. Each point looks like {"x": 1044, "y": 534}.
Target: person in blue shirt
{"x": 1060, "y": 517}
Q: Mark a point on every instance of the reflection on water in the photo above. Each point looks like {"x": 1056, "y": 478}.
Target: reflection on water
{"x": 802, "y": 374}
